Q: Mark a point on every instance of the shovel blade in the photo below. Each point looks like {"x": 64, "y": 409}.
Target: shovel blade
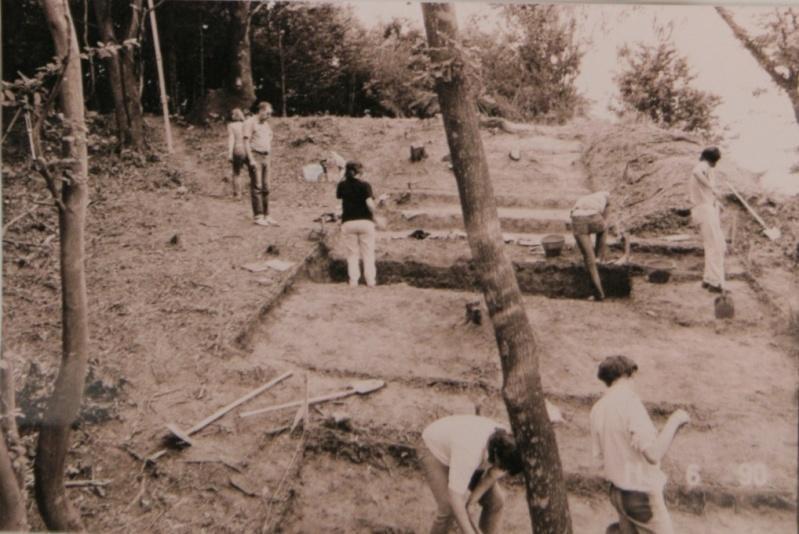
{"x": 773, "y": 233}
{"x": 367, "y": 386}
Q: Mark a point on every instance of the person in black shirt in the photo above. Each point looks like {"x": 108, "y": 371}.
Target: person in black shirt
{"x": 358, "y": 226}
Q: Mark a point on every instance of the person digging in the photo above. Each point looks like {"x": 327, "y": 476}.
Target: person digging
{"x": 629, "y": 449}
{"x": 463, "y": 458}
{"x": 705, "y": 213}
{"x": 590, "y": 216}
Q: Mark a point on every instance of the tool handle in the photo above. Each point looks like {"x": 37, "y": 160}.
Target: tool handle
{"x": 747, "y": 206}
{"x": 211, "y": 418}
{"x": 293, "y": 404}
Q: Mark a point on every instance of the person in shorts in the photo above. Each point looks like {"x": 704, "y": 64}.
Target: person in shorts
{"x": 237, "y": 153}
{"x": 589, "y": 216}
{"x": 463, "y": 458}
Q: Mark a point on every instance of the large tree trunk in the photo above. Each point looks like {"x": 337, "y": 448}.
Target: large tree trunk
{"x": 521, "y": 390}
{"x": 63, "y": 405}
{"x": 240, "y": 86}
{"x": 102, "y": 11}
{"x": 121, "y": 72}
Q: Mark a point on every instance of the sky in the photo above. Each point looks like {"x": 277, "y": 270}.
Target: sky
{"x": 760, "y": 132}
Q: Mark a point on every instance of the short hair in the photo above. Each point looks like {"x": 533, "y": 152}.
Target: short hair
{"x": 237, "y": 114}
{"x": 503, "y": 453}
{"x": 264, "y": 106}
{"x": 614, "y": 367}
{"x": 711, "y": 154}
{"x": 353, "y": 168}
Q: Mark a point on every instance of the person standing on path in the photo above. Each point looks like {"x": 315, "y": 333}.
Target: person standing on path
{"x": 258, "y": 144}
{"x": 463, "y": 458}
{"x": 705, "y": 206}
{"x": 629, "y": 449}
{"x": 237, "y": 153}
{"x": 358, "y": 226}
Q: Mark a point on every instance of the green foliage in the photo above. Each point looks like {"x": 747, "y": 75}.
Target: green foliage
{"x": 529, "y": 70}
{"x": 656, "y": 82}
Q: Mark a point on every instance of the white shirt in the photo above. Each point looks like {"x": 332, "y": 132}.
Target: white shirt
{"x": 698, "y": 192}
{"x": 591, "y": 204}
{"x": 259, "y": 133}
{"x": 620, "y": 430}
{"x": 459, "y": 441}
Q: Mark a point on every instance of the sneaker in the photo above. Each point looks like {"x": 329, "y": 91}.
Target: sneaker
{"x": 269, "y": 220}
{"x": 711, "y": 287}
{"x": 260, "y": 220}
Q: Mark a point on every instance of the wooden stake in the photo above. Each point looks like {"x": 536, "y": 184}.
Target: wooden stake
{"x": 161, "y": 82}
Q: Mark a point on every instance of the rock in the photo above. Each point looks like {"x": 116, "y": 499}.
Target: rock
{"x": 182, "y": 190}
{"x": 175, "y": 240}
{"x": 515, "y": 154}
{"x": 418, "y": 152}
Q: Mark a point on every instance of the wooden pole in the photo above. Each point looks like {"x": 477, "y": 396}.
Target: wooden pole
{"x": 161, "y": 82}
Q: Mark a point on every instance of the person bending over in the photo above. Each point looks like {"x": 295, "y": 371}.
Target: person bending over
{"x": 463, "y": 458}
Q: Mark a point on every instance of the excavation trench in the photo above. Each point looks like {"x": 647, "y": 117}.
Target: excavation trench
{"x": 555, "y": 279}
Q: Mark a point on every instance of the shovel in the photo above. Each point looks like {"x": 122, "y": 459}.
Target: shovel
{"x": 362, "y": 387}
{"x": 772, "y": 233}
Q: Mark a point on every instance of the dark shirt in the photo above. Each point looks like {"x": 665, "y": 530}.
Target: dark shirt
{"x": 353, "y": 194}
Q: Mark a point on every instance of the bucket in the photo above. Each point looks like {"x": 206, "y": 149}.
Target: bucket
{"x": 553, "y": 245}
{"x": 725, "y": 308}
{"x": 659, "y": 272}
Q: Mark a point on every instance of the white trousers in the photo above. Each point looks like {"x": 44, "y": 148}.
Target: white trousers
{"x": 709, "y": 221}
{"x": 359, "y": 236}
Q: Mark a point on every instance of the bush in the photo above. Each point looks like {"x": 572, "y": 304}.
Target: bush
{"x": 656, "y": 82}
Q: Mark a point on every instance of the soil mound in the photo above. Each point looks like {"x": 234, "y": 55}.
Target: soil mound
{"x": 648, "y": 168}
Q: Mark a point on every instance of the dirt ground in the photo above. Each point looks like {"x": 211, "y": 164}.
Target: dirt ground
{"x": 180, "y": 329}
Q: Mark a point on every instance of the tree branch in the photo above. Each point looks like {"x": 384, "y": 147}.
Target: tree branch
{"x": 757, "y": 51}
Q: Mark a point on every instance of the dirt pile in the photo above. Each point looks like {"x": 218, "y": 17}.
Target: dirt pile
{"x": 648, "y": 168}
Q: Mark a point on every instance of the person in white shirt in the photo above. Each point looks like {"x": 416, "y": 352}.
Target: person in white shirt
{"x": 629, "y": 449}
{"x": 705, "y": 206}
{"x": 464, "y": 457}
{"x": 590, "y": 215}
{"x": 258, "y": 144}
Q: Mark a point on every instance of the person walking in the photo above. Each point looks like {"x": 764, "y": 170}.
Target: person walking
{"x": 629, "y": 449}
{"x": 237, "y": 153}
{"x": 463, "y": 458}
{"x": 357, "y": 224}
{"x": 258, "y": 145}
{"x": 705, "y": 212}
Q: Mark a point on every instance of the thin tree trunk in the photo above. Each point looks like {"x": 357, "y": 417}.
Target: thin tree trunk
{"x": 240, "y": 84}
{"x": 63, "y": 405}
{"x": 787, "y": 84}
{"x": 13, "y": 514}
{"x": 522, "y": 389}
{"x": 130, "y": 79}
{"x": 282, "y": 73}
{"x": 102, "y": 12}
